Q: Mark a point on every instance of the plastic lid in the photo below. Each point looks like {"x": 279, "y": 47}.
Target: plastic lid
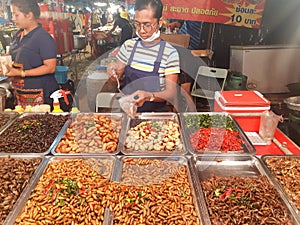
{"x": 243, "y": 98}
{"x": 101, "y": 67}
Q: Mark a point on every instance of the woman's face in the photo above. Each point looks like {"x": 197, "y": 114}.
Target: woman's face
{"x": 145, "y": 23}
{"x": 20, "y": 19}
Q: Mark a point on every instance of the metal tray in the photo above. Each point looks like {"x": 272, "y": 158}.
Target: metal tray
{"x": 11, "y": 117}
{"x": 27, "y": 187}
{"x": 225, "y": 166}
{"x": 158, "y": 173}
{"x": 281, "y": 186}
{"x": 53, "y": 144}
{"x": 153, "y": 117}
{"x": 96, "y": 162}
{"x": 247, "y": 147}
{"x": 116, "y": 116}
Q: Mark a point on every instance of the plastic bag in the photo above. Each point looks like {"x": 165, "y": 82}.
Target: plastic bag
{"x": 5, "y": 60}
{"x": 268, "y": 124}
{"x": 128, "y": 106}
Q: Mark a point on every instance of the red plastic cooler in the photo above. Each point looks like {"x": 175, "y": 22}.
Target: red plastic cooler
{"x": 244, "y": 102}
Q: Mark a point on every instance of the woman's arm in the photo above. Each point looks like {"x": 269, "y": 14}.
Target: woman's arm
{"x": 49, "y": 66}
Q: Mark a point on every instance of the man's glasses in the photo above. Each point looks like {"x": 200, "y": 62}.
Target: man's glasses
{"x": 148, "y": 27}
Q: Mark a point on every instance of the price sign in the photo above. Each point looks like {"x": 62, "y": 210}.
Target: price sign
{"x": 246, "y": 13}
{"x": 243, "y": 15}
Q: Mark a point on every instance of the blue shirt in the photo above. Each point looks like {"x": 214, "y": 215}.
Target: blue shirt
{"x": 193, "y": 28}
{"x": 31, "y": 51}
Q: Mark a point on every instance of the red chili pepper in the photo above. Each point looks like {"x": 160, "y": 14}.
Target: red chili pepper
{"x": 227, "y": 193}
{"x": 215, "y": 139}
{"x": 82, "y": 190}
{"x": 245, "y": 191}
{"x": 51, "y": 182}
{"x": 123, "y": 190}
{"x": 54, "y": 193}
{"x": 236, "y": 192}
{"x": 27, "y": 122}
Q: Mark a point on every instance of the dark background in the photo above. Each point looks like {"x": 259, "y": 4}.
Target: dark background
{"x": 280, "y": 25}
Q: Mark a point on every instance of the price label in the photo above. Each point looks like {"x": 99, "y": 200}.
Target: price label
{"x": 246, "y": 16}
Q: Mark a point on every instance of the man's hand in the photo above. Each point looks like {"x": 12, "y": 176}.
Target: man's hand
{"x": 111, "y": 70}
{"x": 140, "y": 97}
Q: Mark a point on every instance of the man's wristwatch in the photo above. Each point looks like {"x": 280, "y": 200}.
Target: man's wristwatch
{"x": 22, "y": 73}
{"x": 152, "y": 97}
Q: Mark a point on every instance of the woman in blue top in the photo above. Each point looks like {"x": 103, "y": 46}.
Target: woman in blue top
{"x": 33, "y": 48}
{"x": 149, "y": 65}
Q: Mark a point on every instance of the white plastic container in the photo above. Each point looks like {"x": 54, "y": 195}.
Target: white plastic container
{"x": 95, "y": 82}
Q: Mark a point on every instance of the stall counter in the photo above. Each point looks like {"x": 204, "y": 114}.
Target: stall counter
{"x": 274, "y": 149}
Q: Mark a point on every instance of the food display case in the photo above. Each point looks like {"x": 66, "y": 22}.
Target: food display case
{"x": 16, "y": 174}
{"x": 156, "y": 190}
{"x": 84, "y": 181}
{"x": 153, "y": 134}
{"x": 33, "y": 133}
{"x": 214, "y": 133}
{"x": 69, "y": 190}
{"x": 92, "y": 133}
{"x": 237, "y": 190}
{"x": 285, "y": 171}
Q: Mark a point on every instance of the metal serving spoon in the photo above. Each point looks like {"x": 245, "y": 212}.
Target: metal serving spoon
{"x": 128, "y": 107}
{"x": 118, "y": 82}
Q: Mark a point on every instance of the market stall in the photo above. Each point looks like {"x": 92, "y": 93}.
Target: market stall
{"x": 163, "y": 166}
{"x": 155, "y": 168}
{"x": 102, "y": 41}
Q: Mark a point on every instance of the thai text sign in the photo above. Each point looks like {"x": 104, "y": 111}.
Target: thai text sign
{"x": 246, "y": 13}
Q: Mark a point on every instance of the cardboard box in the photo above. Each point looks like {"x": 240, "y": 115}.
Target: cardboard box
{"x": 177, "y": 39}
{"x": 249, "y": 103}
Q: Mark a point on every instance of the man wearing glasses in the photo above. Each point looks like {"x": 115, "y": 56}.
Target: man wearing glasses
{"x": 149, "y": 65}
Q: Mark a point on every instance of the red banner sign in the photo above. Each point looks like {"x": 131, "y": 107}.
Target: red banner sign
{"x": 246, "y": 13}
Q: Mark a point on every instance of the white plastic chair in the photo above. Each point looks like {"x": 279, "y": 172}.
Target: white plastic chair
{"x": 208, "y": 80}
{"x": 107, "y": 100}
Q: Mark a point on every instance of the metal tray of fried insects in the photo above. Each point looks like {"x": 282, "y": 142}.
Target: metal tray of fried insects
{"x": 238, "y": 190}
{"x": 153, "y": 134}
{"x": 214, "y": 133}
{"x": 22, "y": 171}
{"x": 285, "y": 170}
{"x": 34, "y": 133}
{"x": 6, "y": 118}
{"x": 77, "y": 185}
{"x": 91, "y": 134}
{"x": 155, "y": 190}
